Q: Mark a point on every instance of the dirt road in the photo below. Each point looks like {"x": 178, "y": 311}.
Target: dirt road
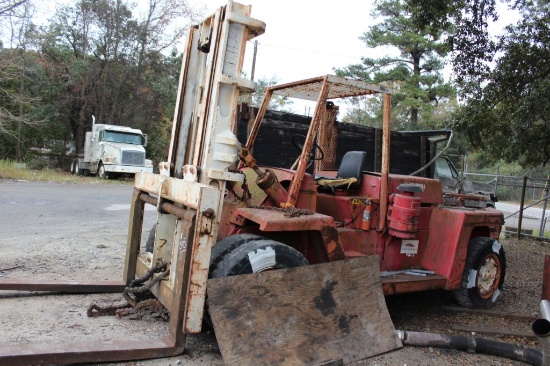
{"x": 62, "y": 231}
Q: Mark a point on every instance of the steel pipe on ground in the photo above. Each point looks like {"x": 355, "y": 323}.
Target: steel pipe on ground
{"x": 472, "y": 344}
{"x": 541, "y": 328}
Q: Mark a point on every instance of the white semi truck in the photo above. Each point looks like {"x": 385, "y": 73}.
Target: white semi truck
{"x": 112, "y": 150}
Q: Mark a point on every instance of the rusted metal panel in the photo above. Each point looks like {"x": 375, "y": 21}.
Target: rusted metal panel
{"x": 134, "y": 235}
{"x": 450, "y": 231}
{"x": 205, "y": 234}
{"x": 275, "y": 220}
{"x": 340, "y": 87}
{"x": 181, "y": 191}
{"x": 179, "y": 276}
{"x": 431, "y": 188}
{"x": 410, "y": 283}
{"x": 386, "y": 115}
{"x": 304, "y": 156}
{"x": 148, "y": 182}
{"x": 328, "y": 139}
{"x": 347, "y": 209}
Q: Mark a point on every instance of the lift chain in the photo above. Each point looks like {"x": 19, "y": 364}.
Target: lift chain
{"x": 132, "y": 289}
{"x": 246, "y": 193}
{"x": 132, "y": 292}
{"x": 95, "y": 310}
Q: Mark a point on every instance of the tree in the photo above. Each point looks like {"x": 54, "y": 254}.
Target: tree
{"x": 471, "y": 47}
{"x": 106, "y": 62}
{"x": 415, "y": 73}
{"x": 16, "y": 100}
{"x": 510, "y": 115}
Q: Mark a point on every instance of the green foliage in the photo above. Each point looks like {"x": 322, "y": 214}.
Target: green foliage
{"x": 414, "y": 74}
{"x": 472, "y": 48}
{"x": 509, "y": 117}
{"x": 96, "y": 57}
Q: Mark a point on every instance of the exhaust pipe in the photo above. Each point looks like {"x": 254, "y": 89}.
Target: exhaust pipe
{"x": 541, "y": 328}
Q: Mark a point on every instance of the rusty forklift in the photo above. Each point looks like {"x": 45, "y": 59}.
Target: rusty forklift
{"x": 299, "y": 263}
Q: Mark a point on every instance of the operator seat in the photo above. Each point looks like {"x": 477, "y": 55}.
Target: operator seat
{"x": 349, "y": 172}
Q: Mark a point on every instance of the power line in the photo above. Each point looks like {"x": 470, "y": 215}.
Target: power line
{"x": 309, "y": 51}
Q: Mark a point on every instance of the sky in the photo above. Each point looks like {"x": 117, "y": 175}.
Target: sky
{"x": 304, "y": 39}
{"x": 307, "y": 38}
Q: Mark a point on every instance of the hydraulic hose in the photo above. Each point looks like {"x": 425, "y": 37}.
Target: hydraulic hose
{"x": 472, "y": 344}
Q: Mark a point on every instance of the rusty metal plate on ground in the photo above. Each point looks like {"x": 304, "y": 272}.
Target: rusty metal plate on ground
{"x": 302, "y": 316}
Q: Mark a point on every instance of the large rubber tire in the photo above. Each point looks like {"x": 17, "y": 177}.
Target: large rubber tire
{"x": 483, "y": 276}
{"x": 73, "y": 164}
{"x": 77, "y": 170}
{"x": 258, "y": 256}
{"x": 226, "y": 246}
{"x": 101, "y": 172}
{"x": 247, "y": 253}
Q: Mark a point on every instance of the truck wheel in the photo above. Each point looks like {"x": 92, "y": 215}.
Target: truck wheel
{"x": 77, "y": 170}
{"x": 483, "y": 274}
{"x": 101, "y": 172}
{"x": 226, "y": 245}
{"x": 258, "y": 256}
{"x": 73, "y": 163}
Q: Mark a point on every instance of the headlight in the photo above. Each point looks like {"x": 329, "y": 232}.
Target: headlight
{"x": 110, "y": 159}
{"x": 148, "y": 162}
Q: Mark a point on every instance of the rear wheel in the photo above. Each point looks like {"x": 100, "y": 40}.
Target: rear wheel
{"x": 483, "y": 275}
{"x": 76, "y": 168}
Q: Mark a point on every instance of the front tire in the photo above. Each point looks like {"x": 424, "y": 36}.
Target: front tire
{"x": 258, "y": 256}
{"x": 227, "y": 245}
{"x": 483, "y": 275}
{"x": 101, "y": 172}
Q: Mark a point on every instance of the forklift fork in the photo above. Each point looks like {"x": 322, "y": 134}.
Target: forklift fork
{"x": 188, "y": 205}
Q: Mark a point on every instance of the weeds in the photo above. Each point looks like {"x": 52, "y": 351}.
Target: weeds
{"x": 9, "y": 170}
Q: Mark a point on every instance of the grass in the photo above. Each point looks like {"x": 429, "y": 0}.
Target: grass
{"x": 8, "y": 170}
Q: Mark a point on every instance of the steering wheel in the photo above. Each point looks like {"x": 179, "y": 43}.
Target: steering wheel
{"x": 300, "y": 147}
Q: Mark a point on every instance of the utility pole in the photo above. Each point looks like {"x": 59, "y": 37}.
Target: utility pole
{"x": 253, "y": 71}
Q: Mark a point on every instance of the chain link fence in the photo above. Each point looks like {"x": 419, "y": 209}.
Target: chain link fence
{"x": 524, "y": 202}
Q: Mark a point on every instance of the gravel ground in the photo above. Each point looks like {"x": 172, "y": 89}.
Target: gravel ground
{"x": 51, "y": 231}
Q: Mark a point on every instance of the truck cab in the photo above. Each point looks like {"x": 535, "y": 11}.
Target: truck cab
{"x": 113, "y": 150}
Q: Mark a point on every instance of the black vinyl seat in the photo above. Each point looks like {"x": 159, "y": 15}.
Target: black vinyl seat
{"x": 349, "y": 173}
